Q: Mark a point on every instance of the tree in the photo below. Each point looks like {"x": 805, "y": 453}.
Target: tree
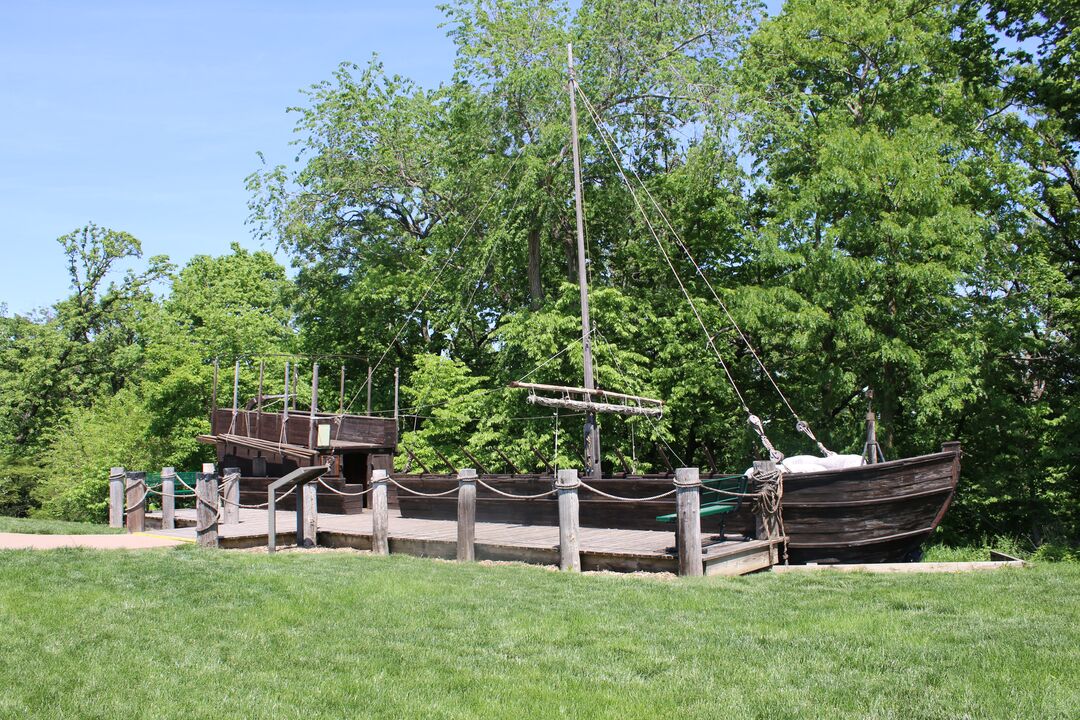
{"x": 86, "y": 345}
{"x": 869, "y": 198}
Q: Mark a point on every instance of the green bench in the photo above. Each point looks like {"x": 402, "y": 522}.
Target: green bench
{"x": 717, "y": 504}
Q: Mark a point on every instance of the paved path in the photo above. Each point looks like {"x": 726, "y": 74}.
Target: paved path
{"x": 137, "y": 541}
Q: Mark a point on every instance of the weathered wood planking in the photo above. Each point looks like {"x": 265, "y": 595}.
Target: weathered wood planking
{"x": 375, "y": 432}
{"x": 600, "y": 549}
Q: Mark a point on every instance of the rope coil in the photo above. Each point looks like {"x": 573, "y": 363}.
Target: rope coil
{"x": 770, "y": 503}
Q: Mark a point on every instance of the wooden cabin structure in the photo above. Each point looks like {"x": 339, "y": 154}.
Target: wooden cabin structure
{"x": 268, "y": 445}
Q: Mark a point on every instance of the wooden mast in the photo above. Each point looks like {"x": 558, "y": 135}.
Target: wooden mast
{"x": 592, "y": 431}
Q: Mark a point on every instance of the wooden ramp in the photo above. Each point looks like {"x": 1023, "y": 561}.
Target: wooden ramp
{"x": 601, "y": 548}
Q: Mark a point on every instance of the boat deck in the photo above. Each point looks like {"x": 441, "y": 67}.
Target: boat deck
{"x": 601, "y": 548}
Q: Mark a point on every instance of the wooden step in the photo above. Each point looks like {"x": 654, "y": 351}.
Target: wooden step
{"x": 739, "y": 557}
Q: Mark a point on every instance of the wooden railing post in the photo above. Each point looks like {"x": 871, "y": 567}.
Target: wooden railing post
{"x": 168, "y": 498}
{"x": 380, "y": 513}
{"x": 567, "y": 485}
{"x": 136, "y": 501}
{"x": 466, "y": 514}
{"x": 116, "y": 497}
{"x": 688, "y": 509}
{"x": 310, "y": 517}
{"x": 231, "y": 493}
{"x": 206, "y": 507}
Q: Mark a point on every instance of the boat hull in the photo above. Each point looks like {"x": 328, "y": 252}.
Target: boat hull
{"x": 871, "y": 513}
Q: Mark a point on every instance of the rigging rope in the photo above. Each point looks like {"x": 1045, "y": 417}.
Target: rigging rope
{"x": 431, "y": 286}
{"x": 801, "y": 425}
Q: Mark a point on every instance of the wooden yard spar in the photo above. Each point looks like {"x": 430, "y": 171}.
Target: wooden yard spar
{"x": 584, "y": 399}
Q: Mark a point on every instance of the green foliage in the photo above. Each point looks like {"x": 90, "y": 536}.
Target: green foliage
{"x": 113, "y": 376}
{"x": 451, "y": 400}
{"x": 17, "y": 481}
{"x": 1052, "y": 552}
{"x": 115, "y": 432}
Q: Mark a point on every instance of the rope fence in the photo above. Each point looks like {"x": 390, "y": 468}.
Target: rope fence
{"x": 342, "y": 492}
{"x": 765, "y": 480}
{"x": 417, "y": 492}
{"x": 601, "y": 493}
{"x": 512, "y": 495}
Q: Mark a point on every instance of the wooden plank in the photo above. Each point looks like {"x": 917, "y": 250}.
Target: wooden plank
{"x": 136, "y": 501}
{"x": 569, "y": 549}
{"x": 466, "y": 520}
{"x": 168, "y": 498}
{"x": 688, "y": 511}
{"x": 206, "y": 494}
{"x": 311, "y": 514}
{"x": 600, "y": 549}
{"x": 231, "y": 495}
{"x": 380, "y": 520}
{"x": 584, "y": 391}
{"x": 116, "y": 497}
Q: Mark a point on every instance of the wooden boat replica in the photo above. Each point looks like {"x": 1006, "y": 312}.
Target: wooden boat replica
{"x": 873, "y": 512}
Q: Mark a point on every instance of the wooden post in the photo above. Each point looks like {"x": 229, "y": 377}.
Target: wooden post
{"x": 397, "y": 377}
{"x": 341, "y": 392}
{"x": 116, "y": 497}
{"x": 213, "y": 395}
{"x": 235, "y": 396}
{"x": 466, "y": 515}
{"x": 136, "y": 501}
{"x": 314, "y": 404}
{"x": 380, "y": 513}
{"x": 168, "y": 498}
{"x": 766, "y": 527}
{"x": 369, "y": 389}
{"x": 569, "y": 550}
{"x": 259, "y": 400}
{"x": 311, "y": 514}
{"x": 231, "y": 494}
{"x": 206, "y": 507}
{"x": 688, "y": 509}
{"x": 285, "y": 399}
{"x": 301, "y": 525}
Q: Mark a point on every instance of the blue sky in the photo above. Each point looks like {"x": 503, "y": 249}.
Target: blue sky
{"x": 146, "y": 117}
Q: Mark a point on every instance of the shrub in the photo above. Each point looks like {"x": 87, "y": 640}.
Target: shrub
{"x": 17, "y": 483}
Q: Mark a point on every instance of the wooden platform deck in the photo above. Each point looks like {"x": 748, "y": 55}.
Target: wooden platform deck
{"x": 601, "y": 548}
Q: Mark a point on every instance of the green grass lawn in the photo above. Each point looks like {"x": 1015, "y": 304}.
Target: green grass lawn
{"x": 191, "y": 633}
{"x": 53, "y": 527}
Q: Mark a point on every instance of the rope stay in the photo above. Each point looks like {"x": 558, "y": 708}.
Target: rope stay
{"x": 800, "y": 425}
{"x": 431, "y": 286}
